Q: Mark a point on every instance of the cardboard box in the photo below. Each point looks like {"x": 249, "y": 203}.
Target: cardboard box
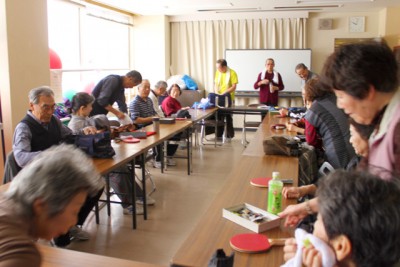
{"x": 235, "y": 214}
{"x": 138, "y": 134}
{"x": 167, "y": 120}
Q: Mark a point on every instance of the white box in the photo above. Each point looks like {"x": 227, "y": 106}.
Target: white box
{"x": 269, "y": 220}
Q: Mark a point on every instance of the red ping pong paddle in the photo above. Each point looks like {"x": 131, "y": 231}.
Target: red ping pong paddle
{"x": 253, "y": 243}
{"x": 131, "y": 140}
{"x": 150, "y": 133}
{"x": 260, "y": 182}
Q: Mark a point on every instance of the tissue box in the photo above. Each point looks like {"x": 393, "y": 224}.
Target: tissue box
{"x": 246, "y": 215}
{"x": 167, "y": 120}
{"x": 138, "y": 134}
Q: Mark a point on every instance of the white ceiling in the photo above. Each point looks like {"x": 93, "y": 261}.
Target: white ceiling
{"x": 186, "y": 7}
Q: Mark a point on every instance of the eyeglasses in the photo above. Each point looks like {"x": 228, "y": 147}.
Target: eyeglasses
{"x": 46, "y": 107}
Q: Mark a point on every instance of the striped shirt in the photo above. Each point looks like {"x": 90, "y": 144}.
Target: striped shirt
{"x": 141, "y": 108}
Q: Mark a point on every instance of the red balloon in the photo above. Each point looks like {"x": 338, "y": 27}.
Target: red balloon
{"x": 55, "y": 61}
{"x": 88, "y": 88}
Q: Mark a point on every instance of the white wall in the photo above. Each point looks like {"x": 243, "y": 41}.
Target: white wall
{"x": 24, "y": 57}
{"x": 321, "y": 42}
{"x": 151, "y": 51}
{"x": 383, "y": 23}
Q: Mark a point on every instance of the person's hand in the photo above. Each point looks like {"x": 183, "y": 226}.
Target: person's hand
{"x": 283, "y": 112}
{"x": 264, "y": 81}
{"x": 293, "y": 214}
{"x": 120, "y": 115}
{"x": 89, "y": 130}
{"x": 185, "y": 108}
{"x": 291, "y": 192}
{"x": 290, "y": 248}
{"x": 311, "y": 257}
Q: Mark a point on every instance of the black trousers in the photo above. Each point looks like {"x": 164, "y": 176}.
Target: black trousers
{"x": 87, "y": 207}
{"x": 230, "y": 132}
{"x": 171, "y": 149}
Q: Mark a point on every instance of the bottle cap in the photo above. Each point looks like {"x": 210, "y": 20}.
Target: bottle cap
{"x": 156, "y": 118}
{"x": 275, "y": 175}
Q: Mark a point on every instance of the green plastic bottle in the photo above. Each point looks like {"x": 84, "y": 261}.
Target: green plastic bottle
{"x": 275, "y": 194}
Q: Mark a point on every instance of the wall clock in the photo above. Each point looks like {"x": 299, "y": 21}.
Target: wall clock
{"x": 356, "y": 24}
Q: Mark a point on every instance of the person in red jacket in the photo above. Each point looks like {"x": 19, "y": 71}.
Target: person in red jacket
{"x": 269, "y": 82}
{"x": 171, "y": 105}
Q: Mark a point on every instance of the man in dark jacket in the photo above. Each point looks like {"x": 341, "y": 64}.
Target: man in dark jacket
{"x": 111, "y": 89}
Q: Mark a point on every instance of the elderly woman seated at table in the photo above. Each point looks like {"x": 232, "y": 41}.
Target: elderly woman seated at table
{"x": 171, "y": 105}
{"x": 43, "y": 201}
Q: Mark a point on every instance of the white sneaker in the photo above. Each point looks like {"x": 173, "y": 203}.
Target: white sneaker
{"x": 157, "y": 164}
{"x": 149, "y": 201}
{"x": 171, "y": 162}
{"x": 129, "y": 210}
{"x": 77, "y": 233}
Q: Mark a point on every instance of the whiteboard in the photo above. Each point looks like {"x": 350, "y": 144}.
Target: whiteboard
{"x": 249, "y": 63}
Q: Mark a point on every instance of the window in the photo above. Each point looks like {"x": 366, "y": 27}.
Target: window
{"x": 91, "y": 42}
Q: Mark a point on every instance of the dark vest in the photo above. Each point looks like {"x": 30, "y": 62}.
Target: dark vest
{"x": 43, "y": 138}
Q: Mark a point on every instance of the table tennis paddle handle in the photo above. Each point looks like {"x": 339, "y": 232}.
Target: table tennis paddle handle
{"x": 277, "y": 241}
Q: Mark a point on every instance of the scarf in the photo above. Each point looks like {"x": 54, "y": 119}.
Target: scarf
{"x": 274, "y": 80}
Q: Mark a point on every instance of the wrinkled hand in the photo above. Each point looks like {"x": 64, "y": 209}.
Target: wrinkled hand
{"x": 291, "y": 192}
{"x": 293, "y": 214}
{"x": 312, "y": 257}
{"x": 89, "y": 130}
{"x": 290, "y": 248}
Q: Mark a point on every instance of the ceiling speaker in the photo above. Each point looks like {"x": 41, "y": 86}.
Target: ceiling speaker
{"x": 325, "y": 24}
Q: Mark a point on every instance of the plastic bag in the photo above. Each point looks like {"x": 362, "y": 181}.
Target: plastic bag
{"x": 190, "y": 83}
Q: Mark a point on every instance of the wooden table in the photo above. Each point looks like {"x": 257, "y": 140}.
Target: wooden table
{"x": 201, "y": 114}
{"x": 127, "y": 152}
{"x": 69, "y": 258}
{"x": 255, "y": 148}
{"x": 214, "y": 232}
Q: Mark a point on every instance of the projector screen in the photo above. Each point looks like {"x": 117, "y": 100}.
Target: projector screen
{"x": 249, "y": 63}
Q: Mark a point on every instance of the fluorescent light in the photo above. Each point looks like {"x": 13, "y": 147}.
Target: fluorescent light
{"x": 221, "y": 10}
{"x": 306, "y": 7}
{"x": 333, "y": 1}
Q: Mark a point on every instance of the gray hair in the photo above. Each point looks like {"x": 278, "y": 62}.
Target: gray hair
{"x": 141, "y": 84}
{"x": 161, "y": 84}
{"x": 56, "y": 175}
{"x": 300, "y": 66}
{"x": 35, "y": 93}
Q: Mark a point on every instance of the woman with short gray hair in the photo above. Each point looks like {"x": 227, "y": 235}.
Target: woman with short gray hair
{"x": 43, "y": 201}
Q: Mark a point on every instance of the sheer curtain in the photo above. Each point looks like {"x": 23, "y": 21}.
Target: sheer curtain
{"x": 196, "y": 45}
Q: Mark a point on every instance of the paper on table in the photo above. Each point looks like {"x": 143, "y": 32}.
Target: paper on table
{"x": 126, "y": 120}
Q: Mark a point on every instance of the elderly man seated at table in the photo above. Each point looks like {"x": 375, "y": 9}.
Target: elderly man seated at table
{"x": 40, "y": 130}
{"x": 160, "y": 89}
{"x": 43, "y": 201}
{"x": 142, "y": 113}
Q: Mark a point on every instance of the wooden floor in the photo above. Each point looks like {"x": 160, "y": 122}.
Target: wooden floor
{"x": 181, "y": 201}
